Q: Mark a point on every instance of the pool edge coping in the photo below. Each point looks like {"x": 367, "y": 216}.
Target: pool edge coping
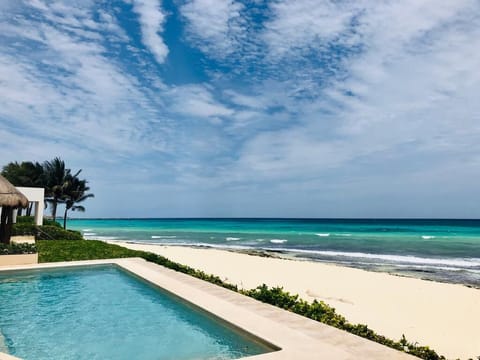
{"x": 295, "y": 336}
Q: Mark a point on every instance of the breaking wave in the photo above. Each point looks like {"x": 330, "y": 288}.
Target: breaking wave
{"x": 278, "y": 241}
{"x": 406, "y": 259}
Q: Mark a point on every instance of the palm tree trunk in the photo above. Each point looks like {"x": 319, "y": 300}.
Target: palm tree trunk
{"x": 65, "y": 218}
{"x": 54, "y": 208}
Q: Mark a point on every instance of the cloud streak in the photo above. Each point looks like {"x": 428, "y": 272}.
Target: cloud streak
{"x": 216, "y": 27}
{"x": 152, "y": 19}
{"x": 340, "y": 100}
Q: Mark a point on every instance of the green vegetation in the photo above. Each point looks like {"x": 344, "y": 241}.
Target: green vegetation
{"x": 15, "y": 249}
{"x": 51, "y": 230}
{"x": 67, "y": 250}
{"x": 61, "y": 185}
{"x": 319, "y": 311}
{"x": 24, "y": 229}
{"x": 75, "y": 191}
{"x": 25, "y": 220}
{"x": 52, "y": 251}
{"x": 49, "y": 222}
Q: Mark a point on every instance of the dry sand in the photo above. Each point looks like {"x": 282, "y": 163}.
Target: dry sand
{"x": 445, "y": 317}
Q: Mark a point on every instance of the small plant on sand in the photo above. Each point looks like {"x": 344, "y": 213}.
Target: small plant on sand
{"x": 17, "y": 249}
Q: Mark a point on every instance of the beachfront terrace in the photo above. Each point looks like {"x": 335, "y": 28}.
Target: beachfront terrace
{"x": 291, "y": 335}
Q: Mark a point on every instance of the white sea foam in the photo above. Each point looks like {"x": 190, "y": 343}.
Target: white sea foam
{"x": 459, "y": 262}
{"x": 95, "y": 237}
{"x": 87, "y": 229}
{"x": 163, "y": 237}
{"x": 89, "y": 233}
{"x": 192, "y": 244}
{"x": 323, "y": 234}
{"x": 426, "y": 237}
{"x": 278, "y": 241}
{"x": 232, "y": 238}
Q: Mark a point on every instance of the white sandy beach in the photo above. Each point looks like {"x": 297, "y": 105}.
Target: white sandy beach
{"x": 445, "y": 317}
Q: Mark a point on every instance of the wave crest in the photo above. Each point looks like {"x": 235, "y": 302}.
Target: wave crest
{"x": 278, "y": 241}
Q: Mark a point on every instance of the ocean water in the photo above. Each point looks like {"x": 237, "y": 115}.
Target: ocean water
{"x": 104, "y": 313}
{"x": 441, "y": 250}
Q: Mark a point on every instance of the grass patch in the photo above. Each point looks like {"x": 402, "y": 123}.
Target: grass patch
{"x": 67, "y": 250}
{"x": 46, "y": 232}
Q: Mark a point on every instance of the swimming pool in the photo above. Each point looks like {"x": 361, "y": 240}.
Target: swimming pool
{"x": 102, "y": 312}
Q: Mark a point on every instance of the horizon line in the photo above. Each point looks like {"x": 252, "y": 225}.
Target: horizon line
{"x": 266, "y": 218}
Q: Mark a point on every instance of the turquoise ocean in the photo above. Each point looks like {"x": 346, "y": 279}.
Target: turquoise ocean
{"x": 441, "y": 250}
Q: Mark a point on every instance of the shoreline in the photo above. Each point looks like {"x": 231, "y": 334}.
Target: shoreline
{"x": 443, "y": 316}
{"x": 293, "y": 255}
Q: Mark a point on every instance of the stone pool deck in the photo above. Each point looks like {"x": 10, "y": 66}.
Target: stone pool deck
{"x": 294, "y": 336}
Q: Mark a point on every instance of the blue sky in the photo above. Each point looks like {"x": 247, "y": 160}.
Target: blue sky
{"x": 305, "y": 108}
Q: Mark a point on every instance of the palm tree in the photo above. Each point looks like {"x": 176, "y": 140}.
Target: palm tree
{"x": 28, "y": 174}
{"x": 56, "y": 180}
{"x": 73, "y": 193}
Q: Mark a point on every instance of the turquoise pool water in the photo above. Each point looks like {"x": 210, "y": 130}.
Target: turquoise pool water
{"x": 105, "y": 313}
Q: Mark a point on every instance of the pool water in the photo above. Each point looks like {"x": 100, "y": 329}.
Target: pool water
{"x": 105, "y": 313}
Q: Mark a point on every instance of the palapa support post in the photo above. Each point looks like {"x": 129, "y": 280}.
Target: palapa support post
{"x": 10, "y": 198}
{"x": 6, "y": 224}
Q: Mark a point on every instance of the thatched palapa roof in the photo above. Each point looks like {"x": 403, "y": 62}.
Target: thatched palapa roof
{"x": 10, "y": 196}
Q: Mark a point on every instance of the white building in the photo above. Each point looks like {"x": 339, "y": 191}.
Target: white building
{"x": 37, "y": 196}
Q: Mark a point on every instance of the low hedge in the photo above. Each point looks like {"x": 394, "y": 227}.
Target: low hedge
{"x": 319, "y": 311}
{"x": 45, "y": 232}
{"x": 16, "y": 249}
{"x": 52, "y": 222}
{"x": 24, "y": 228}
{"x": 50, "y": 251}
{"x": 52, "y": 232}
{"x": 25, "y": 220}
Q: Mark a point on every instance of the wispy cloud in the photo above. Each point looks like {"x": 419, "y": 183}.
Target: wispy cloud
{"x": 152, "y": 19}
{"x": 216, "y": 27}
{"x": 197, "y": 102}
{"x": 404, "y": 96}
{"x": 74, "y": 89}
{"x": 299, "y": 27}
{"x": 338, "y": 99}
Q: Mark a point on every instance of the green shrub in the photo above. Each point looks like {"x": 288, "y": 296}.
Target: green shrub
{"x": 24, "y": 228}
{"x": 52, "y": 222}
{"x": 14, "y": 249}
{"x": 52, "y": 232}
{"x": 46, "y": 232}
{"x": 317, "y": 310}
{"x": 25, "y": 220}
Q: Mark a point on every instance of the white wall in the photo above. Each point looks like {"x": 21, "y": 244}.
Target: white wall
{"x": 35, "y": 195}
